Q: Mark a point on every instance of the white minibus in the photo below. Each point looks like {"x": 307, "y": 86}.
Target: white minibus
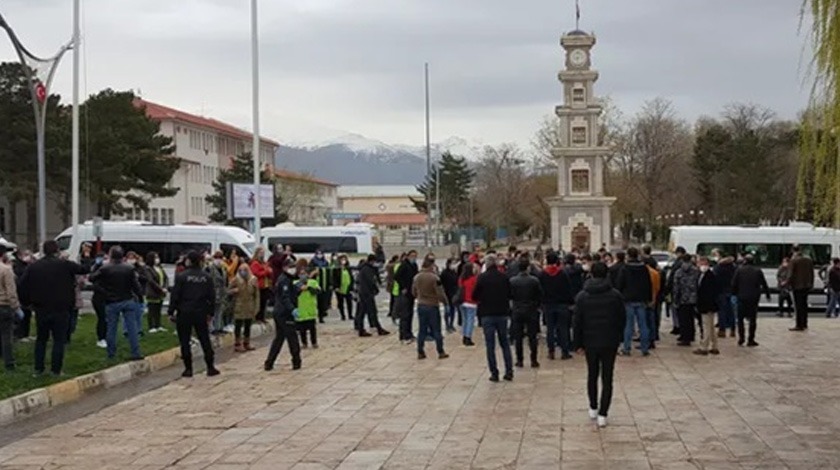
{"x": 354, "y": 240}
{"x": 768, "y": 245}
{"x": 168, "y": 241}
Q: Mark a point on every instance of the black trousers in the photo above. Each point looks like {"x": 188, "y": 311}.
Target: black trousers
{"x": 367, "y": 307}
{"x": 284, "y": 331}
{"x": 101, "y": 319}
{"x": 308, "y": 326}
{"x": 600, "y": 361}
{"x": 405, "y": 305}
{"x": 747, "y": 310}
{"x": 242, "y": 328}
{"x": 265, "y": 294}
{"x": 186, "y": 324}
{"x": 23, "y": 327}
{"x": 800, "y": 301}
{"x": 324, "y": 299}
{"x": 686, "y": 315}
{"x": 525, "y": 324}
{"x": 155, "y": 309}
{"x": 55, "y": 325}
{"x": 7, "y": 342}
{"x": 342, "y": 300}
{"x": 785, "y": 303}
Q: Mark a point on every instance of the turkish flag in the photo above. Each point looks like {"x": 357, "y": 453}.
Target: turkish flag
{"x": 40, "y": 92}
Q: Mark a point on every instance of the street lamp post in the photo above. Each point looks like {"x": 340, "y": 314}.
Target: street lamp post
{"x": 40, "y": 90}
{"x": 428, "y": 161}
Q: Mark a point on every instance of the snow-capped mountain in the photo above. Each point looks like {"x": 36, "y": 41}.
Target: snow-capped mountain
{"x": 355, "y": 159}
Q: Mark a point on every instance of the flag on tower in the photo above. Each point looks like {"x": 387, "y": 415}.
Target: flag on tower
{"x": 577, "y": 14}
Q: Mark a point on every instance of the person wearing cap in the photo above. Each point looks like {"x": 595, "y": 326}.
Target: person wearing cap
{"x": 285, "y": 311}
{"x": 191, "y": 306}
{"x": 49, "y": 286}
{"x": 121, "y": 290}
{"x": 9, "y": 306}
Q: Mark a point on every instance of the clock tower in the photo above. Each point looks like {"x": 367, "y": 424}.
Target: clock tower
{"x": 580, "y": 213}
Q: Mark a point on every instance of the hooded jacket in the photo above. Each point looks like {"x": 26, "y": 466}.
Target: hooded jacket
{"x": 556, "y": 286}
{"x": 634, "y": 283}
{"x": 599, "y": 316}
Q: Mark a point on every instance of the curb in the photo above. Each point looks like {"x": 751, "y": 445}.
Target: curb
{"x": 39, "y": 400}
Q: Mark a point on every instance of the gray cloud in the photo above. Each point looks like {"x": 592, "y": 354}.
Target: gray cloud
{"x": 356, "y": 65}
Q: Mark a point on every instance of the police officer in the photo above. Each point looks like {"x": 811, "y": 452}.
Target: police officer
{"x": 284, "y": 317}
{"x": 194, "y": 299}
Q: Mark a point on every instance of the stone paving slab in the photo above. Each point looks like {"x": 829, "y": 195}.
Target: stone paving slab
{"x": 367, "y": 403}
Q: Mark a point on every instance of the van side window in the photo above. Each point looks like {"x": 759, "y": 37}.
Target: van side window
{"x": 313, "y": 244}
{"x": 169, "y": 252}
{"x": 227, "y": 249}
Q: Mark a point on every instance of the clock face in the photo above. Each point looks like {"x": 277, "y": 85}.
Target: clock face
{"x": 577, "y": 57}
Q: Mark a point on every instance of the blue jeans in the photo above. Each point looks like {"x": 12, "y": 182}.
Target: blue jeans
{"x": 636, "y": 314}
{"x": 131, "y": 313}
{"x": 141, "y": 308}
{"x": 726, "y": 312}
{"x": 493, "y": 327}
{"x": 833, "y": 302}
{"x": 558, "y": 324}
{"x": 650, "y": 316}
{"x": 468, "y": 321}
{"x": 429, "y": 318}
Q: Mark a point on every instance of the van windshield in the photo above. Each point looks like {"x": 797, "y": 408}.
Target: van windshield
{"x": 63, "y": 242}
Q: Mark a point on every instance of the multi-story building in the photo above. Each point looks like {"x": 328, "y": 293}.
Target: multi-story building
{"x": 389, "y": 208}
{"x": 204, "y": 146}
{"x": 306, "y": 200}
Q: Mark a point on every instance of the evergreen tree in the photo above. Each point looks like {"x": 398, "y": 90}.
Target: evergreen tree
{"x": 456, "y": 181}
{"x": 241, "y": 171}
{"x": 130, "y": 162}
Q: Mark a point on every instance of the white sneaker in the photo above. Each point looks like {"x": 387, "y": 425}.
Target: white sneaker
{"x": 602, "y": 421}
{"x": 593, "y": 414}
{"x": 101, "y": 344}
{"x": 161, "y": 330}
{"x": 153, "y": 331}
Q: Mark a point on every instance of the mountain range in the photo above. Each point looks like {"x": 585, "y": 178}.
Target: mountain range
{"x": 352, "y": 159}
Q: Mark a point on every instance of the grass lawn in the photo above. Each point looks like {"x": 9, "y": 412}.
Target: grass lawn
{"x": 81, "y": 356}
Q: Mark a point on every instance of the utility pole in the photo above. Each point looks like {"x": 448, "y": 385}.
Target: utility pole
{"x": 255, "y": 146}
{"x": 472, "y": 234}
{"x": 428, "y": 163}
{"x": 75, "y": 127}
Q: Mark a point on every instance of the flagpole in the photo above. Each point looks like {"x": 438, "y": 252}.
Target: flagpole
{"x": 75, "y": 129}
{"x": 255, "y": 146}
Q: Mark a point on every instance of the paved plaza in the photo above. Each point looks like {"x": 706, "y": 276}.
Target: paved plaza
{"x": 369, "y": 403}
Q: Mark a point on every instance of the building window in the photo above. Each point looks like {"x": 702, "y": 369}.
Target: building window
{"x": 580, "y": 181}
{"x": 578, "y": 95}
{"x": 155, "y": 216}
{"x": 2, "y": 220}
{"x": 579, "y": 135}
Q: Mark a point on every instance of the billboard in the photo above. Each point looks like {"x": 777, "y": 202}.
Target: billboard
{"x": 242, "y": 201}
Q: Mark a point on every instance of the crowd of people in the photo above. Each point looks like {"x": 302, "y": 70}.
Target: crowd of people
{"x": 596, "y": 305}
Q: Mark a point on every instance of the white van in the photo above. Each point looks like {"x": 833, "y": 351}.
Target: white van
{"x": 168, "y": 241}
{"x": 768, "y": 245}
{"x": 354, "y": 240}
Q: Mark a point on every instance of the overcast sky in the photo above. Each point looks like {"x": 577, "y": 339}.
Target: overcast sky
{"x": 332, "y": 66}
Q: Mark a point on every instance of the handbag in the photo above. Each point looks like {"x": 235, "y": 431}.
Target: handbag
{"x": 458, "y": 298}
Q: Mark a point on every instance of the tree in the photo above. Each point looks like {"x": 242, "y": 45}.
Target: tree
{"x": 502, "y": 189}
{"x": 652, "y": 156}
{"x": 241, "y": 171}
{"x": 712, "y": 150}
{"x": 129, "y": 161}
{"x": 18, "y": 149}
{"x": 818, "y": 186}
{"x": 456, "y": 182}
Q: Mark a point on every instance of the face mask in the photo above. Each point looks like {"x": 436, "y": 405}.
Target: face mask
{"x": 319, "y": 256}
{"x": 704, "y": 268}
{"x": 132, "y": 262}
{"x": 157, "y": 261}
{"x": 304, "y": 277}
{"x": 243, "y": 274}
{"x": 291, "y": 271}
{"x": 586, "y": 267}
{"x": 412, "y": 260}
{"x": 217, "y": 262}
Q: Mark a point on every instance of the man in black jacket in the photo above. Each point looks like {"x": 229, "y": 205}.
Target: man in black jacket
{"x": 118, "y": 283}
{"x": 368, "y": 286}
{"x": 193, "y": 298}
{"x": 635, "y": 286}
{"x": 405, "y": 303}
{"x": 707, "y": 295}
{"x": 747, "y": 286}
{"x": 616, "y": 268}
{"x": 833, "y": 285}
{"x": 49, "y": 287}
{"x": 575, "y": 273}
{"x": 526, "y": 297}
{"x": 20, "y": 261}
{"x": 492, "y": 293}
{"x": 557, "y": 303}
{"x": 599, "y": 322}
{"x": 284, "y": 319}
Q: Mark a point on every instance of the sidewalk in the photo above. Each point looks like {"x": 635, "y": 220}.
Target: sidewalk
{"x": 365, "y": 403}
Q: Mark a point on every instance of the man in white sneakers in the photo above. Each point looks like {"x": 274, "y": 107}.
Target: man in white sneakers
{"x": 599, "y": 328}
